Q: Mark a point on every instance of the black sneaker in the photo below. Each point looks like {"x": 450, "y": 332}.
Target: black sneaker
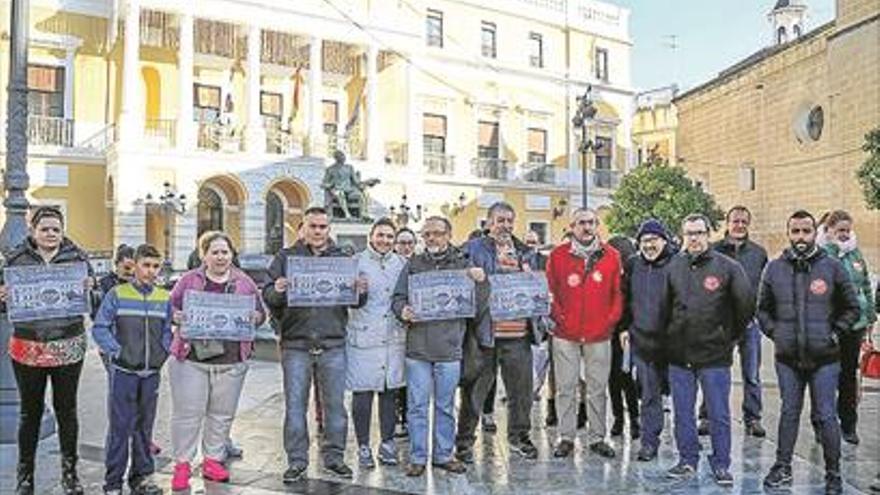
{"x": 850, "y": 437}
{"x": 681, "y": 471}
{"x": 703, "y": 427}
{"x": 563, "y": 449}
{"x": 465, "y": 455}
{"x": 755, "y": 429}
{"x": 603, "y": 449}
{"x": 778, "y": 477}
{"x": 646, "y": 454}
{"x": 525, "y": 448}
{"x": 833, "y": 484}
{"x": 339, "y": 469}
{"x": 294, "y": 474}
{"x": 635, "y": 429}
{"x": 722, "y": 477}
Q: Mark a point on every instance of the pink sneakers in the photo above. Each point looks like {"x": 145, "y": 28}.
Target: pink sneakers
{"x": 180, "y": 480}
{"x": 213, "y": 470}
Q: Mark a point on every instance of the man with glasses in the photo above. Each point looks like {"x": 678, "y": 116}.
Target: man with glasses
{"x": 433, "y": 354}
{"x": 806, "y": 304}
{"x": 737, "y": 245}
{"x": 584, "y": 277}
{"x": 711, "y": 302}
{"x": 405, "y": 242}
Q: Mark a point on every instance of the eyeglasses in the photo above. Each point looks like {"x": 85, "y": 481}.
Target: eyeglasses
{"x": 695, "y": 233}
{"x": 586, "y": 221}
{"x": 433, "y": 233}
{"x": 406, "y": 243}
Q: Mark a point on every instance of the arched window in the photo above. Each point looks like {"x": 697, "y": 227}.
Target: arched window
{"x": 210, "y": 210}
{"x": 796, "y": 31}
{"x": 780, "y": 35}
{"x": 274, "y": 222}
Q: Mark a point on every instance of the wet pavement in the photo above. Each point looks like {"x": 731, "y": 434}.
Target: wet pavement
{"x": 257, "y": 429}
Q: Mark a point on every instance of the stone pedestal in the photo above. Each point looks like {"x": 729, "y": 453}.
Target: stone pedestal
{"x": 353, "y": 234}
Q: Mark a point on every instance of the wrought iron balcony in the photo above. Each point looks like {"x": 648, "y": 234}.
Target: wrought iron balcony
{"x": 490, "y": 168}
{"x": 541, "y": 173}
{"x": 50, "y": 131}
{"x": 439, "y": 163}
{"x": 605, "y": 178}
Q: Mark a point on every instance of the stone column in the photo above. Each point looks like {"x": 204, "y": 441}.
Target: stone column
{"x": 375, "y": 146}
{"x": 253, "y": 231}
{"x": 255, "y": 134}
{"x": 183, "y": 234}
{"x": 132, "y": 117}
{"x": 185, "y": 125}
{"x": 415, "y": 147}
{"x": 316, "y": 123}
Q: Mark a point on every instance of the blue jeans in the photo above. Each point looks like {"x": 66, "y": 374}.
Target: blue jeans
{"x": 823, "y": 391}
{"x": 329, "y": 368}
{"x": 651, "y": 376}
{"x": 131, "y": 408}
{"x": 423, "y": 378}
{"x": 715, "y": 384}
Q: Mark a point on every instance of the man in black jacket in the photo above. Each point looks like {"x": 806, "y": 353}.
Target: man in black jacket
{"x": 312, "y": 338}
{"x": 712, "y": 302}
{"x": 645, "y": 320}
{"x": 806, "y": 303}
{"x": 737, "y": 245}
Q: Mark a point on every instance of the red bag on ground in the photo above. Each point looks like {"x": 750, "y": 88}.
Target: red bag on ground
{"x": 870, "y": 361}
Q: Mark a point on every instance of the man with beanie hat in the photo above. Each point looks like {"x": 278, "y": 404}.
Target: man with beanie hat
{"x": 645, "y": 318}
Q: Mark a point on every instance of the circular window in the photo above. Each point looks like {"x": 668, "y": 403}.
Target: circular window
{"x": 815, "y": 122}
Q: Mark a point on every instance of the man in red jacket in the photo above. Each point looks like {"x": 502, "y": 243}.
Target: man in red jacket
{"x": 584, "y": 279}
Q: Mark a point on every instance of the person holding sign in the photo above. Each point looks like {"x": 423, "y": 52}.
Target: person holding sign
{"x": 312, "y": 341}
{"x": 47, "y": 348}
{"x": 207, "y": 374}
{"x": 133, "y": 330}
{"x": 433, "y": 349}
{"x": 584, "y": 276}
{"x": 376, "y": 346}
{"x": 501, "y": 342}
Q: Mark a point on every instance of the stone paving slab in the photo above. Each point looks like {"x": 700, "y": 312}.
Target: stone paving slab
{"x": 258, "y": 430}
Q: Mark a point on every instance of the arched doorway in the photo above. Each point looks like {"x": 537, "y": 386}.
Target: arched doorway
{"x": 285, "y": 203}
{"x": 220, "y": 200}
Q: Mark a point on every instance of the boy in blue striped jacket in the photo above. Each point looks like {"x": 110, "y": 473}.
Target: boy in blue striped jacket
{"x": 133, "y": 331}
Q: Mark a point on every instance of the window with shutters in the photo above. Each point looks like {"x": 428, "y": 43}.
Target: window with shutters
{"x": 331, "y": 117}
{"x": 488, "y": 140}
{"x": 537, "y": 146}
{"x": 434, "y": 28}
{"x": 601, "y": 64}
{"x": 489, "y": 45}
{"x": 45, "y": 91}
{"x": 434, "y": 134}
{"x": 536, "y": 50}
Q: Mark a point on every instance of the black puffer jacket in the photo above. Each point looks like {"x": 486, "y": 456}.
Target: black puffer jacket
{"x": 432, "y": 341}
{"x": 647, "y": 309}
{"x": 804, "y": 305}
{"x": 51, "y": 328}
{"x": 304, "y": 327}
{"x": 749, "y": 254}
{"x": 712, "y": 302}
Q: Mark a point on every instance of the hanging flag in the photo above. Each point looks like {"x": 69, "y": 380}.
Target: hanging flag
{"x": 355, "y": 113}
{"x": 297, "y": 89}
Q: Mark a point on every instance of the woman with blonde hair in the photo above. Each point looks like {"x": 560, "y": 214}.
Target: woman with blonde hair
{"x": 207, "y": 375}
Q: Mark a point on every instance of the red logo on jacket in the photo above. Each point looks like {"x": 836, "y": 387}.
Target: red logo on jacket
{"x": 818, "y": 287}
{"x": 711, "y": 283}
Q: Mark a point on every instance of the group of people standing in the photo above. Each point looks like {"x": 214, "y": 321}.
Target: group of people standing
{"x": 677, "y": 307}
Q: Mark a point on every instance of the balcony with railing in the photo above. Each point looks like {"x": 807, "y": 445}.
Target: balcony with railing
{"x": 50, "y": 131}
{"x": 490, "y": 168}
{"x": 396, "y": 153}
{"x": 284, "y": 142}
{"x": 160, "y": 133}
{"x": 606, "y": 178}
{"x": 215, "y": 136}
{"x": 539, "y": 173}
{"x": 439, "y": 163}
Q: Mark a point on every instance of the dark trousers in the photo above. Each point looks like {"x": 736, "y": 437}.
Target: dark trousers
{"x": 31, "y": 382}
{"x": 362, "y": 413}
{"x": 750, "y": 365}
{"x": 131, "y": 410}
{"x": 848, "y": 387}
{"x": 401, "y": 405}
{"x": 715, "y": 384}
{"x": 514, "y": 357}
{"x": 489, "y": 403}
{"x": 823, "y": 385}
{"x": 651, "y": 378}
{"x": 622, "y": 386}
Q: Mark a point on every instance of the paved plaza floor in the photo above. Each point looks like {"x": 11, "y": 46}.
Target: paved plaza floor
{"x": 258, "y": 430}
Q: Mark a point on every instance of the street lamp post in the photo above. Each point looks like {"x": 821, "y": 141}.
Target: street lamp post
{"x": 404, "y": 213}
{"x": 16, "y": 183}
{"x": 171, "y": 204}
{"x": 583, "y": 117}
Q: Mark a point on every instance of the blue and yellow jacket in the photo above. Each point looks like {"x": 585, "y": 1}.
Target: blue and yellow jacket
{"x": 133, "y": 327}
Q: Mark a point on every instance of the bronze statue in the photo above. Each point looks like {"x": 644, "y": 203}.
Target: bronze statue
{"x": 345, "y": 192}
